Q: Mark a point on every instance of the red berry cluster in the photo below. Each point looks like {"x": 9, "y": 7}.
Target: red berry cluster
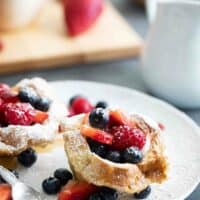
{"x": 120, "y": 133}
{"x": 125, "y": 136}
{"x": 14, "y": 112}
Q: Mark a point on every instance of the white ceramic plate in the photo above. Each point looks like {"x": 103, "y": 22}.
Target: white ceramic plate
{"x": 182, "y": 137}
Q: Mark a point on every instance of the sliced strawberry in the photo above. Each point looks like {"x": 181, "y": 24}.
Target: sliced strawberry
{"x": 5, "y": 192}
{"x": 117, "y": 118}
{"x": 81, "y": 14}
{"x": 77, "y": 191}
{"x": 96, "y": 134}
{"x": 40, "y": 117}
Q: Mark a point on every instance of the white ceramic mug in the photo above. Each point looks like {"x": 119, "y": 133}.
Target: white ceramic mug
{"x": 171, "y": 58}
{"x": 18, "y": 13}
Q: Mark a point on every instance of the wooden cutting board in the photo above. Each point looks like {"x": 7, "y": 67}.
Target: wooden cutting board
{"x": 46, "y": 44}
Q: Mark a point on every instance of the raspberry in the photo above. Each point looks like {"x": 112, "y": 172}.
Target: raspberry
{"x": 18, "y": 113}
{"x": 125, "y": 136}
{"x": 81, "y": 105}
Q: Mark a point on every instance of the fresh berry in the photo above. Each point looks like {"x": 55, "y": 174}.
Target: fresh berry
{"x": 95, "y": 196}
{"x": 28, "y": 157}
{"x": 43, "y": 104}
{"x": 98, "y": 148}
{"x": 143, "y": 194}
{"x": 96, "y": 134}
{"x": 40, "y": 117}
{"x": 18, "y": 113}
{"x": 104, "y": 194}
{"x": 81, "y": 105}
{"x": 132, "y": 155}
{"x": 125, "y": 136}
{"x": 113, "y": 156}
{"x": 77, "y": 191}
{"x": 102, "y": 104}
{"x": 118, "y": 118}
{"x": 99, "y": 118}
{"x": 73, "y": 98}
{"x": 63, "y": 175}
{"x": 51, "y": 185}
{"x": 81, "y": 14}
{"x": 28, "y": 95}
{"x": 5, "y": 192}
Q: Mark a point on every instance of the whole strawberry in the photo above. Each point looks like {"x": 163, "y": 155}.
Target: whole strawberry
{"x": 81, "y": 14}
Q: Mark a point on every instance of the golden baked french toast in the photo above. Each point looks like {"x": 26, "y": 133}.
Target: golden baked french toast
{"x": 108, "y": 148}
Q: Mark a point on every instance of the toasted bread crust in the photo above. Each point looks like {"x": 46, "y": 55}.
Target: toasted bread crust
{"x": 129, "y": 178}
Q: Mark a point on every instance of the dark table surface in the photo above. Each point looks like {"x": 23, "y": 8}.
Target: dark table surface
{"x": 125, "y": 73}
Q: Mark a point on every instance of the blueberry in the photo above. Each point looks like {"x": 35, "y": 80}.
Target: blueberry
{"x": 99, "y": 118}
{"x": 143, "y": 194}
{"x": 98, "y": 148}
{"x": 63, "y": 175}
{"x": 114, "y": 156}
{"x": 28, "y": 95}
{"x": 108, "y": 193}
{"x": 101, "y": 104}
{"x": 95, "y": 196}
{"x": 73, "y": 98}
{"x": 132, "y": 155}
{"x": 104, "y": 194}
{"x": 43, "y": 104}
{"x": 51, "y": 185}
{"x": 27, "y": 158}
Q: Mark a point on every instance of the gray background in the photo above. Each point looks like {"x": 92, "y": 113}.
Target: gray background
{"x": 125, "y": 73}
